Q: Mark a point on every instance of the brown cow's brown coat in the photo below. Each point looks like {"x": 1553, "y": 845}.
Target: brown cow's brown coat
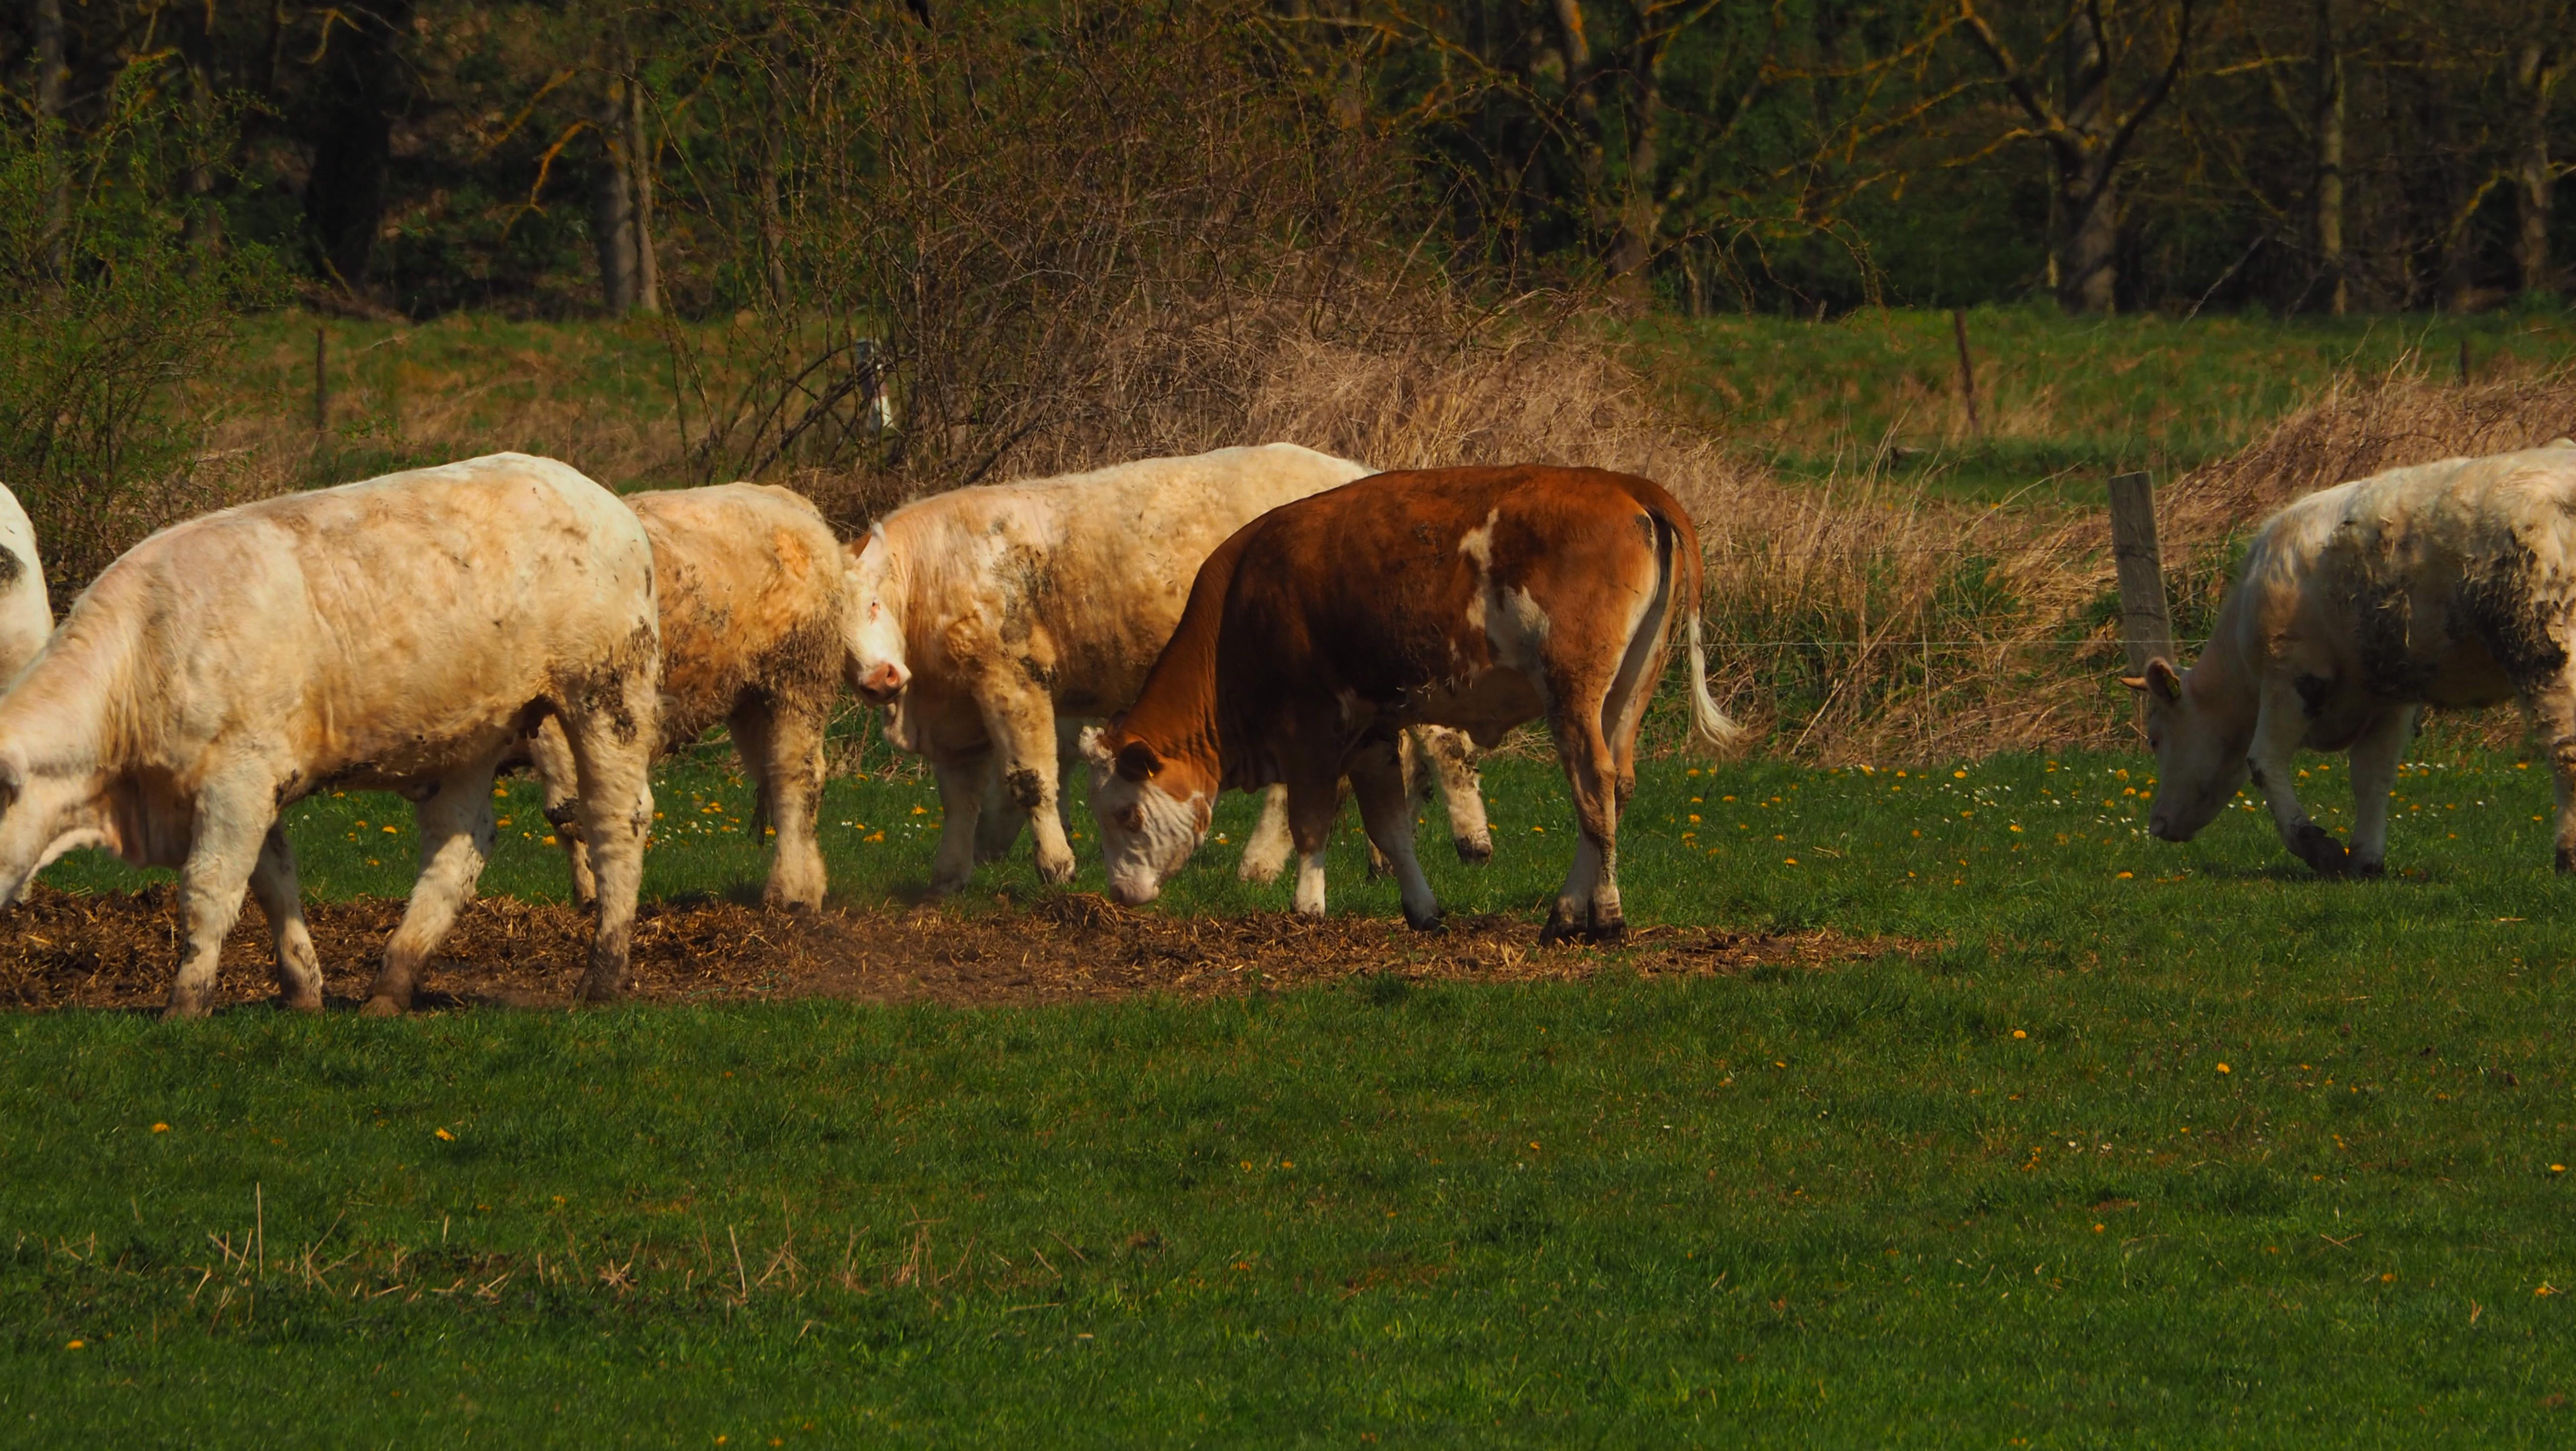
{"x": 1475, "y": 598}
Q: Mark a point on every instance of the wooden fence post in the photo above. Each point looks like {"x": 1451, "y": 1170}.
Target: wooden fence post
{"x": 1967, "y": 371}
{"x": 2144, "y": 626}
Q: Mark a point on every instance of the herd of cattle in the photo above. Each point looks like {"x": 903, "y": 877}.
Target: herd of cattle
{"x": 1260, "y": 619}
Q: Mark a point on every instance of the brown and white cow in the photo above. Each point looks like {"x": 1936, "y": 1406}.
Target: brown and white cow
{"x": 987, "y": 612}
{"x": 1475, "y": 598}
{"x": 403, "y": 633}
{"x": 758, "y": 624}
{"x": 26, "y": 615}
{"x": 2450, "y": 583}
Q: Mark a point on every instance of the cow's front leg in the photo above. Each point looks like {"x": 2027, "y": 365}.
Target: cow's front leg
{"x": 783, "y": 748}
{"x": 2374, "y": 774}
{"x": 1266, "y": 851}
{"x": 1022, "y": 725}
{"x": 223, "y": 852}
{"x": 1386, "y": 809}
{"x": 1462, "y": 791}
{"x": 961, "y": 801}
{"x": 1313, "y": 801}
{"x": 455, "y": 840}
{"x": 281, "y": 899}
{"x": 2280, "y": 724}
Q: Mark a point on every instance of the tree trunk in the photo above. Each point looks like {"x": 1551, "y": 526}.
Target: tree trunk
{"x": 612, "y": 211}
{"x": 639, "y": 166}
{"x": 2536, "y": 73}
{"x": 203, "y": 226}
{"x": 1641, "y": 215}
{"x": 2329, "y": 160}
{"x": 357, "y": 89}
{"x": 49, "y": 106}
{"x": 2088, "y": 265}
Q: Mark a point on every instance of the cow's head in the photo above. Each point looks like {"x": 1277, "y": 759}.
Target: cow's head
{"x": 1153, "y": 812}
{"x": 872, "y": 625}
{"x": 43, "y": 814}
{"x": 2200, "y": 757}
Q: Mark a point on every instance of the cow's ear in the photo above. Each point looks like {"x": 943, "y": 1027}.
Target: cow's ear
{"x": 1137, "y": 761}
{"x": 2163, "y": 681}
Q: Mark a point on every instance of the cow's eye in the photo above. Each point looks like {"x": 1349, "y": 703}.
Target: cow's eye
{"x": 1131, "y": 819}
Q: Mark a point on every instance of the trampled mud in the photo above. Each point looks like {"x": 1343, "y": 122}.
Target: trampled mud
{"x": 119, "y": 950}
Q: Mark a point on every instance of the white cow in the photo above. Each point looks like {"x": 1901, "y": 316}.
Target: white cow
{"x": 987, "y": 612}
{"x": 26, "y": 615}
{"x": 404, "y": 633}
{"x": 2451, "y": 583}
{"x": 757, "y": 629}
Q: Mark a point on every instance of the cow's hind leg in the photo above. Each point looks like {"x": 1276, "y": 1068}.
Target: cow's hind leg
{"x": 223, "y": 852}
{"x": 1386, "y": 807}
{"x": 2280, "y": 723}
{"x": 613, "y": 746}
{"x": 2552, "y": 706}
{"x": 551, "y": 754}
{"x": 782, "y": 747}
{"x": 961, "y": 803}
{"x": 455, "y": 841}
{"x": 1588, "y": 904}
{"x": 281, "y": 900}
{"x": 2374, "y": 772}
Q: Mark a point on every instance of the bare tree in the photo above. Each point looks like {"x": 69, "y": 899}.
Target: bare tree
{"x": 2327, "y": 194}
{"x": 2087, "y": 131}
{"x": 2538, "y": 66}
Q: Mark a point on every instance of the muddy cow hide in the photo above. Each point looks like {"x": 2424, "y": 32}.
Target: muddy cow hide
{"x": 403, "y": 634}
{"x": 758, "y": 626}
{"x": 2449, "y": 583}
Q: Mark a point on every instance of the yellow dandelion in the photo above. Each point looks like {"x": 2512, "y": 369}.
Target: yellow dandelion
{"x": 2018, "y": 1033}
{"x": 160, "y": 1128}
{"x": 2124, "y": 876}
{"x": 447, "y": 1137}
{"x": 2223, "y": 1068}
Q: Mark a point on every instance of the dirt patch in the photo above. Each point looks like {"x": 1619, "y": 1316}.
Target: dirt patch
{"x": 120, "y": 950}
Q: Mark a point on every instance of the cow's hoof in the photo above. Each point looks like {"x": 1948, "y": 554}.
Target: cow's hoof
{"x": 597, "y": 989}
{"x": 298, "y": 1003}
{"x": 1433, "y": 921}
{"x": 1474, "y": 853}
{"x": 2369, "y": 871}
{"x": 2567, "y": 860}
{"x": 1055, "y": 872}
{"x": 1559, "y": 928}
{"x": 381, "y": 1006}
{"x": 2320, "y": 850}
{"x": 182, "y": 1010}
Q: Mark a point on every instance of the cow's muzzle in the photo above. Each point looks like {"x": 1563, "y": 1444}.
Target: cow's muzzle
{"x": 1133, "y": 893}
{"x": 885, "y": 682}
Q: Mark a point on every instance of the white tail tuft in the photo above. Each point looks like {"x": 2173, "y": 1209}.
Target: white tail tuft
{"x": 1710, "y": 727}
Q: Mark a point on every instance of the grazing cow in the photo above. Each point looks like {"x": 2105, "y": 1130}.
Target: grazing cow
{"x": 2451, "y": 583}
{"x": 26, "y": 615}
{"x": 987, "y": 612}
{"x": 404, "y": 633}
{"x": 757, "y": 628}
{"x": 1475, "y": 598}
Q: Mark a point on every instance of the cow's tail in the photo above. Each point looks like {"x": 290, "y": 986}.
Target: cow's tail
{"x": 1711, "y": 728}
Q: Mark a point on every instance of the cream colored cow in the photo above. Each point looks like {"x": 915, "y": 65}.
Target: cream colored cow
{"x": 26, "y": 615}
{"x": 987, "y": 612}
{"x": 2450, "y": 584}
{"x": 404, "y": 633}
{"x": 757, "y": 628}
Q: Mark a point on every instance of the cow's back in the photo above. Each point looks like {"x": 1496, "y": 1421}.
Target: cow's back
{"x": 370, "y": 628}
{"x": 749, "y": 578}
{"x": 1074, "y": 583}
{"x": 26, "y": 614}
{"x": 2443, "y": 581}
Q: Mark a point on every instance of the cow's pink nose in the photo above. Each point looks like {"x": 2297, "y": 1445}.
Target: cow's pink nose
{"x": 886, "y": 680}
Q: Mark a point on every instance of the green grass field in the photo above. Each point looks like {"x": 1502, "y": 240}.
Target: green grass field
{"x": 2142, "y": 1144}
{"x": 2064, "y": 401}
